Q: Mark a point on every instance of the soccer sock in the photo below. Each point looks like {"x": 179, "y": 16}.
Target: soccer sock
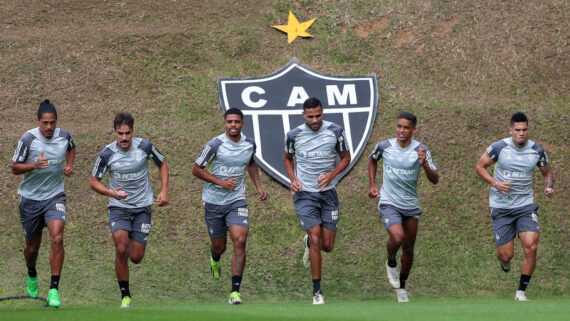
{"x": 523, "y": 283}
{"x": 316, "y": 285}
{"x": 236, "y": 282}
{"x": 54, "y": 282}
{"x": 216, "y": 257}
{"x": 32, "y": 271}
{"x": 403, "y": 278}
{"x": 392, "y": 263}
{"x": 124, "y": 287}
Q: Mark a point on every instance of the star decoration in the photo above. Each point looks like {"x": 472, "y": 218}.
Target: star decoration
{"x": 294, "y": 28}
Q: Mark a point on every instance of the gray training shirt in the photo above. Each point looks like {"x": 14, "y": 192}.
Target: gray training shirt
{"x": 515, "y": 165}
{"x": 43, "y": 183}
{"x": 130, "y": 170}
{"x": 400, "y": 170}
{"x": 225, "y": 159}
{"x": 315, "y": 152}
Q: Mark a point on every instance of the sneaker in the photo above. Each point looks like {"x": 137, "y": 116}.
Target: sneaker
{"x": 126, "y": 302}
{"x": 235, "y": 298}
{"x": 393, "y": 276}
{"x": 215, "y": 268}
{"x": 318, "y": 298}
{"x": 53, "y": 298}
{"x": 520, "y": 296}
{"x": 506, "y": 266}
{"x": 306, "y": 257}
{"x": 402, "y": 295}
{"x": 32, "y": 287}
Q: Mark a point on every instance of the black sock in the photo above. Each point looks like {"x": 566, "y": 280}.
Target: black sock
{"x": 523, "y": 283}
{"x": 392, "y": 263}
{"x": 403, "y": 278}
{"x": 316, "y": 285}
{"x": 215, "y": 257}
{"x": 32, "y": 271}
{"x": 236, "y": 282}
{"x": 54, "y": 282}
{"x": 124, "y": 287}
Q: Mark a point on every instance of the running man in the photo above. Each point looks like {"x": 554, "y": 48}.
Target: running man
{"x": 398, "y": 205}
{"x": 512, "y": 198}
{"x": 40, "y": 156}
{"x": 222, "y": 164}
{"x": 130, "y": 195}
{"x": 311, "y": 150}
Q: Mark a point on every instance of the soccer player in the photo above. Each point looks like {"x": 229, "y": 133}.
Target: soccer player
{"x": 311, "y": 150}
{"x": 40, "y": 156}
{"x": 512, "y": 198}
{"x": 222, "y": 164}
{"x": 130, "y": 195}
{"x": 398, "y": 205}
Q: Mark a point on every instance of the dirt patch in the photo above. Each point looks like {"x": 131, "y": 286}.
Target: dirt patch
{"x": 365, "y": 29}
{"x": 443, "y": 27}
{"x": 402, "y": 37}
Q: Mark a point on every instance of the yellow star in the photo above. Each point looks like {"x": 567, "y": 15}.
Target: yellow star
{"x": 293, "y": 28}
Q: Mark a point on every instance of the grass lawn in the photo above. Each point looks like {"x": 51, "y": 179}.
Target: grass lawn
{"x": 423, "y": 309}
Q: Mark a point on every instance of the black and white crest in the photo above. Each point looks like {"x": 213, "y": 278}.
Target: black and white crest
{"x": 272, "y": 105}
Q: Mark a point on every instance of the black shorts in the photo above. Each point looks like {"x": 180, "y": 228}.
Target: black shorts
{"x": 34, "y": 215}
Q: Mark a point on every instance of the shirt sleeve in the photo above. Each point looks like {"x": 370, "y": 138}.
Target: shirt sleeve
{"x": 542, "y": 157}
{"x": 101, "y": 164}
{"x": 341, "y": 145}
{"x": 208, "y": 153}
{"x": 252, "y": 160}
{"x": 495, "y": 149}
{"x": 67, "y": 135}
{"x": 23, "y": 148}
{"x": 290, "y": 141}
{"x": 379, "y": 150}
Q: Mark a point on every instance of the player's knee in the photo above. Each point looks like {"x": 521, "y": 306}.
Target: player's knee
{"x": 57, "y": 240}
{"x": 505, "y": 256}
{"x": 240, "y": 241}
{"x": 137, "y": 259}
{"x": 219, "y": 250}
{"x": 530, "y": 250}
{"x": 396, "y": 239}
{"x": 327, "y": 247}
{"x": 122, "y": 250}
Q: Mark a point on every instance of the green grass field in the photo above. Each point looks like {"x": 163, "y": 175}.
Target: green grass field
{"x": 425, "y": 310}
{"x": 463, "y": 67}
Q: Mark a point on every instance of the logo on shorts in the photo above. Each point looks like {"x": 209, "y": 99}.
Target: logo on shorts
{"x": 211, "y": 231}
{"x": 497, "y": 236}
{"x": 243, "y": 211}
{"x": 534, "y": 217}
{"x": 272, "y": 105}
{"x": 145, "y": 228}
{"x": 60, "y": 207}
{"x": 244, "y": 221}
{"x": 334, "y": 215}
{"x": 113, "y": 224}
{"x": 386, "y": 220}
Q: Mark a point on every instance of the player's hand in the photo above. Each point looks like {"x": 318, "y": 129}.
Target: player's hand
{"x": 262, "y": 194}
{"x": 162, "y": 199}
{"x": 421, "y": 155}
{"x": 68, "y": 170}
{"x": 229, "y": 184}
{"x": 118, "y": 193}
{"x": 373, "y": 192}
{"x": 42, "y": 162}
{"x": 296, "y": 187}
{"x": 503, "y": 187}
{"x": 324, "y": 180}
{"x": 549, "y": 191}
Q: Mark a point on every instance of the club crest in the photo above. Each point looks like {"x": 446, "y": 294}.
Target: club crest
{"x": 272, "y": 105}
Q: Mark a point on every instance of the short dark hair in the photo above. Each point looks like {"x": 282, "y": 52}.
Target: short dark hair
{"x": 311, "y": 103}
{"x": 233, "y": 111}
{"x": 409, "y": 116}
{"x": 519, "y": 118}
{"x": 123, "y": 118}
{"x": 46, "y": 108}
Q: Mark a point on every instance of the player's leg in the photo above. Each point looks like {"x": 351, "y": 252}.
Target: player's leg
{"x": 410, "y": 227}
{"x": 31, "y": 255}
{"x": 528, "y": 230}
{"x": 392, "y": 221}
{"x": 141, "y": 224}
{"x": 121, "y": 241}
{"x": 239, "y": 239}
{"x": 55, "y": 221}
{"x": 214, "y": 215}
{"x": 330, "y": 217}
{"x": 315, "y": 246}
{"x": 32, "y": 219}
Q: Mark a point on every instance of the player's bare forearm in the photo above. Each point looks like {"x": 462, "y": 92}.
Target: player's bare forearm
{"x": 481, "y": 168}
{"x": 432, "y": 175}
{"x": 205, "y": 175}
{"x": 372, "y": 168}
{"x": 98, "y": 187}
{"x": 254, "y": 175}
{"x": 342, "y": 164}
{"x": 163, "y": 173}
{"x": 547, "y": 176}
{"x": 22, "y": 168}
{"x": 70, "y": 157}
{"x": 289, "y": 163}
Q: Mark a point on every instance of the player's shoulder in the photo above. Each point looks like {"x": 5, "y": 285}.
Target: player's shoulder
{"x": 217, "y": 141}
{"x": 417, "y": 145}
{"x": 30, "y": 135}
{"x": 385, "y": 144}
{"x": 108, "y": 150}
{"x": 539, "y": 149}
{"x": 63, "y": 133}
{"x": 248, "y": 140}
{"x": 142, "y": 143}
{"x": 295, "y": 131}
{"x": 500, "y": 144}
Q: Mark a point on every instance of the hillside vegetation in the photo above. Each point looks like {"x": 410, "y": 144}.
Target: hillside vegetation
{"x": 464, "y": 67}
